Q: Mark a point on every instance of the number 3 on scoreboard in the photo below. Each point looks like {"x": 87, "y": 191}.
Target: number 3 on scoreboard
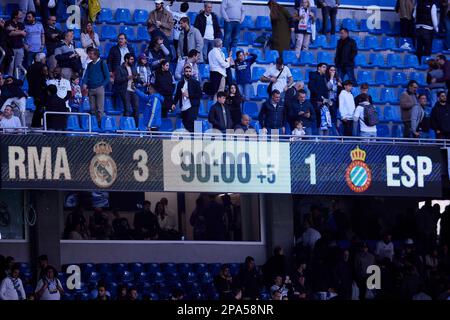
{"x": 311, "y": 162}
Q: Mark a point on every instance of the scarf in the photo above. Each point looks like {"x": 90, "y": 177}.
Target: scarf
{"x": 16, "y": 285}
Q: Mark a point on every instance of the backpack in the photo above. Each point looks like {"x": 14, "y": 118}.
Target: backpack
{"x": 370, "y": 115}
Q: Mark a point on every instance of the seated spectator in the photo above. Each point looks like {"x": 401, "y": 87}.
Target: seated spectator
{"x": 11, "y": 287}
{"x": 54, "y": 103}
{"x": 146, "y": 223}
{"x": 157, "y": 52}
{"x": 133, "y": 294}
{"x": 249, "y": 280}
{"x": 300, "y": 290}
{"x": 279, "y": 285}
{"x": 99, "y": 225}
{"x": 68, "y": 59}
{"x": 8, "y": 120}
{"x": 223, "y": 283}
{"x": 191, "y": 60}
{"x": 11, "y": 93}
{"x": 244, "y": 125}
{"x": 385, "y": 248}
{"x": 77, "y": 232}
{"x": 234, "y": 103}
{"x": 298, "y": 132}
{"x": 120, "y": 227}
{"x": 167, "y": 223}
{"x": 122, "y": 292}
{"x": 242, "y": 66}
{"x": 164, "y": 85}
{"x": 190, "y": 38}
{"x": 49, "y": 287}
{"x": 102, "y": 294}
{"x": 303, "y": 111}
{"x": 363, "y": 89}
{"x": 366, "y": 118}
{"x": 151, "y": 117}
{"x": 219, "y": 114}
{"x": 177, "y": 295}
{"x": 89, "y": 38}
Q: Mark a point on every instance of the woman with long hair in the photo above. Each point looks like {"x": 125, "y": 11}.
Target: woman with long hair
{"x": 49, "y": 287}
{"x": 89, "y": 38}
{"x": 234, "y": 103}
{"x": 165, "y": 86}
{"x": 281, "y": 31}
{"x": 303, "y": 21}
{"x": 334, "y": 84}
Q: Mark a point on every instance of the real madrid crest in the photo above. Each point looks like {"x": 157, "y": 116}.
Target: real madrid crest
{"x": 358, "y": 174}
{"x": 103, "y": 169}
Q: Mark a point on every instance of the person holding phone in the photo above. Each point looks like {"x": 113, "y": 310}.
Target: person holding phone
{"x": 49, "y": 287}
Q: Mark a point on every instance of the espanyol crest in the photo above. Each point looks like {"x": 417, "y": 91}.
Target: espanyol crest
{"x": 358, "y": 174}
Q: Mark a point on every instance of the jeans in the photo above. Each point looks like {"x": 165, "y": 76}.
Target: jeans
{"x": 130, "y": 98}
{"x": 231, "y": 31}
{"x": 97, "y": 102}
{"x": 188, "y": 118}
{"x": 208, "y": 45}
{"x": 332, "y": 13}
{"x": 347, "y": 71}
{"x": 244, "y": 89}
{"x": 16, "y": 62}
{"x": 424, "y": 42}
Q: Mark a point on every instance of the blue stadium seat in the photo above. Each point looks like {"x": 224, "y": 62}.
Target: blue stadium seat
{"x": 388, "y": 43}
{"x": 166, "y": 125}
{"x": 93, "y": 276}
{"x": 395, "y": 30}
{"x": 142, "y": 34}
{"x": 360, "y": 60}
{"x": 356, "y": 91}
{"x": 119, "y": 267}
{"x": 365, "y": 76}
{"x": 73, "y": 123}
{"x": 127, "y": 123}
{"x": 297, "y": 74}
{"x": 248, "y": 37}
{"x": 108, "y": 124}
{"x": 411, "y": 61}
{"x": 136, "y": 267}
{"x": 290, "y": 57}
{"x": 152, "y": 268}
{"x": 419, "y": 77}
{"x": 374, "y": 93}
{"x": 129, "y": 32}
{"x": 263, "y": 23}
{"x": 214, "y": 268}
{"x": 205, "y": 277}
{"x": 325, "y": 57}
{"x": 319, "y": 42}
{"x": 109, "y": 108}
{"x": 105, "y": 16}
{"x": 394, "y": 60}
{"x": 371, "y": 42}
{"x": 307, "y": 72}
{"x": 402, "y": 42}
{"x": 385, "y": 26}
{"x": 383, "y": 131}
{"x": 103, "y": 267}
{"x": 171, "y": 276}
{"x": 399, "y": 79}
{"x": 125, "y": 276}
{"x": 382, "y": 78}
{"x": 392, "y": 113}
{"x": 168, "y": 267}
{"x": 359, "y": 43}
{"x": 332, "y": 43}
{"x": 190, "y": 277}
{"x": 203, "y": 70}
{"x": 363, "y": 26}
{"x": 307, "y": 58}
{"x": 108, "y": 33}
{"x": 84, "y": 123}
{"x": 251, "y": 108}
{"x": 438, "y": 46}
{"x": 397, "y": 131}
{"x": 192, "y": 16}
{"x": 30, "y": 104}
{"x": 105, "y": 49}
{"x": 270, "y": 57}
{"x": 108, "y": 277}
{"x": 377, "y": 60}
{"x": 350, "y": 24}
{"x": 257, "y": 73}
{"x": 200, "y": 268}
{"x": 248, "y": 23}
{"x": 184, "y": 268}
{"x": 387, "y": 95}
{"x": 379, "y": 113}
{"x": 122, "y": 15}
{"x": 140, "y": 16}
{"x": 140, "y": 277}
{"x": 234, "y": 268}
{"x": 256, "y": 51}
{"x": 261, "y": 91}
{"x": 249, "y": 92}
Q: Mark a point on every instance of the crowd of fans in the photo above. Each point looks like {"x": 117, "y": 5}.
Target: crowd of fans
{"x": 166, "y": 76}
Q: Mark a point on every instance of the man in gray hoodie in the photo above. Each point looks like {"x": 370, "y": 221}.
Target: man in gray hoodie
{"x": 233, "y": 14}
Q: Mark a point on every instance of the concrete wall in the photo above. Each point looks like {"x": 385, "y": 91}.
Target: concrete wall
{"x": 20, "y": 250}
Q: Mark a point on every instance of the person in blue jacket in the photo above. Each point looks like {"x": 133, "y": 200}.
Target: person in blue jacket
{"x": 151, "y": 117}
{"x": 243, "y": 73}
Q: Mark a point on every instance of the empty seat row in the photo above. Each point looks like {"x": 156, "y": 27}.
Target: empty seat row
{"x": 383, "y": 78}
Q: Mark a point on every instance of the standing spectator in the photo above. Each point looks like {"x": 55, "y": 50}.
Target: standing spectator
{"x": 220, "y": 115}
{"x": 160, "y": 21}
{"x": 144, "y": 71}
{"x": 116, "y": 56}
{"x": 218, "y": 65}
{"x": 329, "y": 9}
{"x": 405, "y": 9}
{"x": 66, "y": 56}
{"x": 347, "y": 107}
{"x": 157, "y": 51}
{"x": 445, "y": 66}
{"x": 8, "y": 53}
{"x": 191, "y": 60}
{"x": 197, "y": 219}
{"x": 275, "y": 266}
{"x": 11, "y": 92}
{"x": 335, "y": 87}
{"x": 49, "y": 287}
{"x": 281, "y": 31}
{"x": 55, "y": 103}
{"x": 272, "y": 114}
{"x": 417, "y": 115}
{"x": 302, "y": 110}
{"x": 291, "y": 94}
{"x": 242, "y": 66}
{"x": 407, "y": 101}
{"x": 167, "y": 223}
{"x": 124, "y": 80}
{"x": 190, "y": 38}
{"x": 434, "y": 71}
{"x": 63, "y": 86}
{"x": 36, "y": 87}
{"x": 425, "y": 14}
{"x": 151, "y": 117}
{"x": 385, "y": 248}
{"x": 234, "y": 104}
{"x": 34, "y": 41}
{"x": 318, "y": 88}
{"x": 8, "y": 120}
{"x": 96, "y": 78}
{"x": 188, "y": 93}
{"x": 208, "y": 25}
{"x": 89, "y": 38}
{"x": 164, "y": 84}
{"x": 145, "y": 223}
{"x": 16, "y": 33}
{"x": 76, "y": 100}
{"x": 346, "y": 51}
{"x": 303, "y": 27}
{"x": 177, "y": 15}
{"x": 214, "y": 220}
{"x": 11, "y": 287}
{"x": 440, "y": 117}
{"x": 363, "y": 89}
{"x": 249, "y": 280}
{"x": 233, "y": 14}
{"x": 366, "y": 128}
{"x": 279, "y": 76}
{"x": 447, "y": 28}
{"x": 53, "y": 37}
{"x": 363, "y": 259}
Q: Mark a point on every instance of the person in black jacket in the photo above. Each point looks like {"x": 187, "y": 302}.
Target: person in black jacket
{"x": 273, "y": 115}
{"x": 440, "y": 117}
{"x": 219, "y": 114}
{"x": 124, "y": 82}
{"x": 317, "y": 86}
{"x": 201, "y": 21}
{"x": 234, "y": 103}
{"x": 302, "y": 110}
{"x": 164, "y": 85}
{"x": 346, "y": 51}
{"x": 53, "y": 37}
{"x": 36, "y": 87}
{"x": 291, "y": 95}
{"x": 249, "y": 279}
{"x": 55, "y": 103}
{"x": 117, "y": 53}
{"x": 188, "y": 94}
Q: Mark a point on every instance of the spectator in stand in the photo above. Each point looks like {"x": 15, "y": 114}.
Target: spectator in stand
{"x": 426, "y": 24}
{"x": 11, "y": 93}
{"x": 218, "y": 65}
{"x": 8, "y": 53}
{"x": 151, "y": 117}
{"x": 157, "y": 51}
{"x": 89, "y": 38}
{"x": 303, "y": 27}
{"x": 223, "y": 283}
{"x": 42, "y": 264}
{"x": 190, "y": 38}
{"x": 220, "y": 115}
{"x": 34, "y": 41}
{"x": 302, "y": 110}
{"x": 122, "y": 292}
{"x": 363, "y": 89}
{"x": 208, "y": 25}
{"x": 434, "y": 71}
{"x": 363, "y": 259}
{"x": 125, "y": 78}
{"x": 96, "y": 78}
{"x": 440, "y": 117}
{"x": 9, "y": 120}
{"x": 215, "y": 220}
{"x": 11, "y": 287}
{"x": 275, "y": 266}
{"x": 278, "y": 286}
{"x": 407, "y": 101}
{"x": 160, "y": 21}
{"x": 191, "y": 60}
{"x": 342, "y": 275}
{"x": 318, "y": 88}
{"x": 291, "y": 94}
{"x": 66, "y": 56}
{"x": 53, "y": 37}
{"x": 188, "y": 94}
{"x": 329, "y": 9}
{"x": 233, "y": 13}
{"x": 49, "y": 287}
{"x": 167, "y": 223}
{"x": 249, "y": 280}
{"x": 133, "y": 293}
{"x": 116, "y": 56}
{"x": 335, "y": 87}
{"x": 144, "y": 71}
{"x": 177, "y": 15}
{"x": 244, "y": 125}
{"x": 445, "y": 66}
{"x": 279, "y": 76}
{"x": 102, "y": 294}
{"x": 385, "y": 248}
{"x": 62, "y": 85}
{"x": 272, "y": 115}
{"x": 405, "y": 9}
{"x": 120, "y": 227}
{"x": 359, "y": 118}
{"x": 281, "y": 31}
{"x": 146, "y": 223}
{"x": 417, "y": 116}
{"x": 447, "y": 28}
{"x": 346, "y": 51}
{"x": 347, "y": 107}
{"x": 242, "y": 66}
{"x": 56, "y": 104}
{"x": 16, "y": 35}
{"x": 76, "y": 100}
{"x": 164, "y": 84}
{"x": 234, "y": 104}
{"x": 197, "y": 219}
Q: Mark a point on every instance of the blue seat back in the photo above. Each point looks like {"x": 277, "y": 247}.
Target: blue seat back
{"x": 105, "y": 15}
{"x": 360, "y": 60}
{"x": 394, "y": 60}
{"x": 166, "y": 125}
{"x": 73, "y": 123}
{"x": 411, "y": 61}
{"x": 271, "y": 56}
{"x": 251, "y": 108}
{"x": 140, "y": 16}
{"x": 129, "y": 32}
{"x": 382, "y": 78}
{"x": 388, "y": 43}
{"x": 263, "y": 22}
{"x": 108, "y": 32}
{"x": 248, "y": 23}
{"x": 127, "y": 123}
{"x": 109, "y": 124}
{"x": 142, "y": 34}
{"x": 320, "y": 41}
{"x": 377, "y": 60}
{"x": 399, "y": 79}
{"x": 257, "y": 73}
{"x": 290, "y": 57}
{"x": 122, "y": 15}
{"x": 261, "y": 91}
{"x": 325, "y": 57}
{"x": 371, "y": 42}
{"x": 307, "y": 57}
{"x": 297, "y": 74}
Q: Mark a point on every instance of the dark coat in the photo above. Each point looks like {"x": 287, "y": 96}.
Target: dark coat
{"x": 346, "y": 52}
{"x": 164, "y": 83}
{"x": 234, "y": 104}
{"x": 114, "y": 57}
{"x": 317, "y": 86}
{"x": 305, "y": 107}
{"x": 50, "y": 42}
{"x": 36, "y": 80}
{"x": 194, "y": 90}
{"x": 200, "y": 24}
{"x": 271, "y": 117}
{"x": 57, "y": 121}
{"x": 216, "y": 117}
{"x": 121, "y": 78}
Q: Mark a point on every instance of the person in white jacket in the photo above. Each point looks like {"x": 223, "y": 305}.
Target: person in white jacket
{"x": 218, "y": 65}
{"x": 347, "y": 108}
{"x": 11, "y": 287}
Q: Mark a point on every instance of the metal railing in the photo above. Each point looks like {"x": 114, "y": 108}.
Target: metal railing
{"x": 16, "y": 130}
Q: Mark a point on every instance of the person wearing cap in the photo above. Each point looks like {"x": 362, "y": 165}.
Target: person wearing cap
{"x": 190, "y": 38}
{"x": 160, "y": 20}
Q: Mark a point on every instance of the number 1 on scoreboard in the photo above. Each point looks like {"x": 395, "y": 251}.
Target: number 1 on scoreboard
{"x": 311, "y": 162}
